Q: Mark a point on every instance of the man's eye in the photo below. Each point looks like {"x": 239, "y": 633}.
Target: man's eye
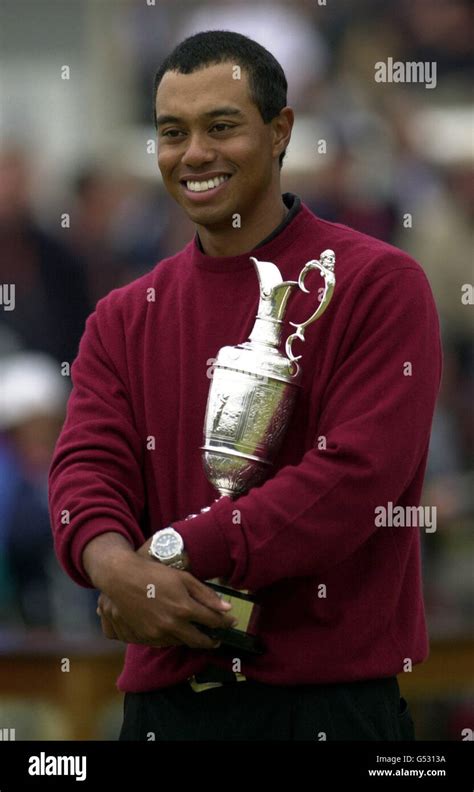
{"x": 222, "y": 127}
{"x": 172, "y": 133}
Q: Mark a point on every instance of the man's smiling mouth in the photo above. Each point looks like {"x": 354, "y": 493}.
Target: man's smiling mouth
{"x": 205, "y": 185}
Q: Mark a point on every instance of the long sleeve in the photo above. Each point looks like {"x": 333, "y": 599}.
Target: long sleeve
{"x": 375, "y": 418}
{"x": 95, "y": 479}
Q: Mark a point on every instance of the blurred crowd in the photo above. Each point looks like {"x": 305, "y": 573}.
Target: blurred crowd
{"x": 122, "y": 225}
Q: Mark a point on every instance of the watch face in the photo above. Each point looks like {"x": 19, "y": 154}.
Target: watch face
{"x": 168, "y": 545}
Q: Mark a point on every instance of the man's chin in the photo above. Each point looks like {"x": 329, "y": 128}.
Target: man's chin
{"x": 209, "y": 215}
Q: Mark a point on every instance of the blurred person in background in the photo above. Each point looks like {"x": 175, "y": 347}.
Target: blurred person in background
{"x": 51, "y": 301}
{"x": 442, "y": 233}
{"x": 118, "y": 228}
{"x": 96, "y": 197}
{"x": 33, "y": 396}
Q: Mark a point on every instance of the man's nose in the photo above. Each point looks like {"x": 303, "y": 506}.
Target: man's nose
{"x": 198, "y": 151}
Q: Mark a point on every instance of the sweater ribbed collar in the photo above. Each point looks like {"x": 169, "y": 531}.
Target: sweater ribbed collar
{"x": 271, "y": 247}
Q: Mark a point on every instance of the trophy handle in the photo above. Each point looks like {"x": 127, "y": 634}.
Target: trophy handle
{"x": 326, "y": 268}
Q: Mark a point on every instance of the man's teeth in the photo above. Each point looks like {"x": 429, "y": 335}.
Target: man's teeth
{"x": 203, "y": 186}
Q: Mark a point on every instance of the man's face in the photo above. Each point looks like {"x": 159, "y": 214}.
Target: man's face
{"x": 208, "y": 129}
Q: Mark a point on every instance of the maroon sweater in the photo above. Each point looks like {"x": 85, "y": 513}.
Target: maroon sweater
{"x": 142, "y": 372}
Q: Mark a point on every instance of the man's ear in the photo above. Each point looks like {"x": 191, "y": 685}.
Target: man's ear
{"x": 282, "y": 126}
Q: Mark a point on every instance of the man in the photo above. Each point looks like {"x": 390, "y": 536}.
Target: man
{"x": 341, "y": 600}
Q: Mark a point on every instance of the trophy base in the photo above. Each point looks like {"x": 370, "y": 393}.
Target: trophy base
{"x": 242, "y": 637}
{"x": 233, "y": 640}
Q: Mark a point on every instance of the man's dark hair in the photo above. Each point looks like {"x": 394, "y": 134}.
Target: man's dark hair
{"x": 267, "y": 81}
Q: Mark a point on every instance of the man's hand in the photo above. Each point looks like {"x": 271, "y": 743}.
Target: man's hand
{"x": 129, "y": 612}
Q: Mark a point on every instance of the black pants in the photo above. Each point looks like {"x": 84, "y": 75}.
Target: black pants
{"x": 367, "y": 710}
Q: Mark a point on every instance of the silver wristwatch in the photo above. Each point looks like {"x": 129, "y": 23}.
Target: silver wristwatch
{"x": 167, "y": 546}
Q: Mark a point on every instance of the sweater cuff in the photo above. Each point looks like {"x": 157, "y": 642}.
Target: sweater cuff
{"x": 205, "y": 544}
{"x": 75, "y": 567}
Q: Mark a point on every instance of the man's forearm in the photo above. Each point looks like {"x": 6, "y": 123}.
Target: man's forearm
{"x": 102, "y": 557}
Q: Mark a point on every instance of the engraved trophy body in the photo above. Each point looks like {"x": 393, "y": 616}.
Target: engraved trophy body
{"x": 251, "y": 398}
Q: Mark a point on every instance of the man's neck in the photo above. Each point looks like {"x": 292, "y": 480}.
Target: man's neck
{"x": 231, "y": 241}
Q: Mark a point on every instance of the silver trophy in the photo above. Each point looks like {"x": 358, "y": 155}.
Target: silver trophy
{"x": 251, "y": 398}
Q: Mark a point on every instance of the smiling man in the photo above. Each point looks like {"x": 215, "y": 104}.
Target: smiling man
{"x": 235, "y": 176}
{"x": 341, "y": 607}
